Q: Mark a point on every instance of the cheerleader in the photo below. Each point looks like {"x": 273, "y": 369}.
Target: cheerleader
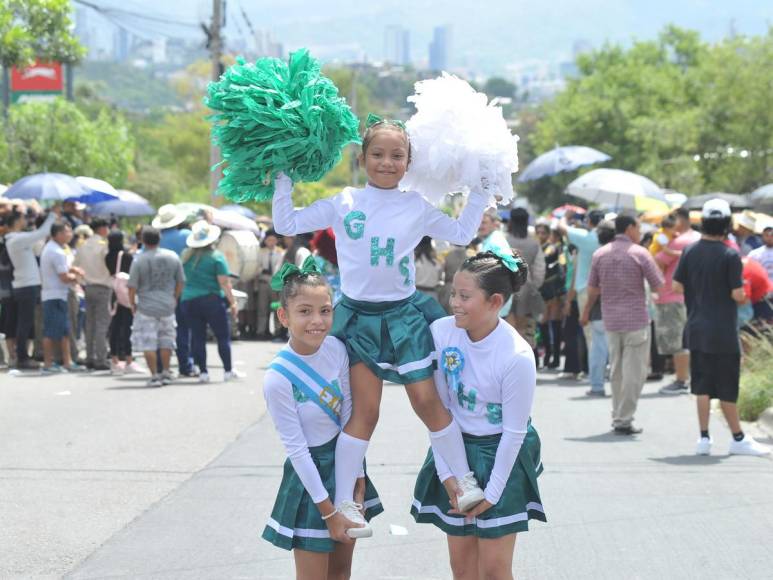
{"x": 381, "y": 318}
{"x": 307, "y": 393}
{"x": 486, "y": 376}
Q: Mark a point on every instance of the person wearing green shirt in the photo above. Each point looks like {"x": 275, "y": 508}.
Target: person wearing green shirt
{"x": 207, "y": 298}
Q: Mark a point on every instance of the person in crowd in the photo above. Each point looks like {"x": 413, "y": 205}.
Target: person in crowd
{"x": 119, "y": 259}
{"x": 56, "y": 276}
{"x": 598, "y": 351}
{"x": 745, "y": 225}
{"x": 583, "y": 236}
{"x": 670, "y": 313}
{"x": 493, "y": 238}
{"x": 451, "y": 263}
{"x": 576, "y": 361}
{"x": 7, "y": 304}
{"x": 618, "y": 272}
{"x": 323, "y": 246}
{"x": 429, "y": 269}
{"x": 72, "y": 215}
{"x": 757, "y": 287}
{"x": 98, "y": 289}
{"x": 764, "y": 254}
{"x": 155, "y": 283}
{"x": 663, "y": 236}
{"x": 207, "y": 298}
{"x": 298, "y": 248}
{"x": 81, "y": 234}
{"x": 270, "y": 258}
{"x": 710, "y": 275}
{"x": 528, "y": 304}
{"x": 171, "y": 222}
{"x": 552, "y": 290}
{"x": 26, "y": 278}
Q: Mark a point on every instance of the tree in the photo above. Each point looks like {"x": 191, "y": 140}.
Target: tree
{"x": 499, "y": 87}
{"x": 58, "y": 137}
{"x": 37, "y": 29}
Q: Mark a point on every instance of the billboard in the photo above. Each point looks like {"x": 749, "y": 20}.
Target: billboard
{"x": 42, "y": 80}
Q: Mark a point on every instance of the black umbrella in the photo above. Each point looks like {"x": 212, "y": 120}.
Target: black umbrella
{"x": 737, "y": 202}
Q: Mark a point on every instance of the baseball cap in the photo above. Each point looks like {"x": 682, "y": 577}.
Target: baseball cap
{"x": 716, "y": 208}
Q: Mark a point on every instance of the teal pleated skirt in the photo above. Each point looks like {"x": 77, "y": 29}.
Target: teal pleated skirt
{"x": 520, "y": 501}
{"x": 392, "y": 338}
{"x": 295, "y": 521}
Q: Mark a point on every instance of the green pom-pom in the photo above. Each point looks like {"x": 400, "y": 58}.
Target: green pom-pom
{"x": 271, "y": 117}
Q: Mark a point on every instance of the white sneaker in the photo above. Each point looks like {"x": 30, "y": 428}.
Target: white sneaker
{"x": 472, "y": 494}
{"x": 703, "y": 447}
{"x": 748, "y": 446}
{"x": 155, "y": 381}
{"x": 167, "y": 377}
{"x": 133, "y": 369}
{"x": 351, "y": 511}
{"x": 203, "y": 377}
{"x": 233, "y": 375}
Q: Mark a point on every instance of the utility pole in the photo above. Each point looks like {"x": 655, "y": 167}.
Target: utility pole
{"x": 215, "y": 45}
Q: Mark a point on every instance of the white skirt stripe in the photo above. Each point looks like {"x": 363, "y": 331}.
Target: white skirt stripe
{"x": 480, "y": 523}
{"x": 300, "y": 532}
{"x": 408, "y": 367}
{"x": 371, "y": 502}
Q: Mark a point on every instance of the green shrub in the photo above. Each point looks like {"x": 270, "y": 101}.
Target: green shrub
{"x": 756, "y": 393}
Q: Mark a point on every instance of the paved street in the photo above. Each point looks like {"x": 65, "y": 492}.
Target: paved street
{"x": 103, "y": 478}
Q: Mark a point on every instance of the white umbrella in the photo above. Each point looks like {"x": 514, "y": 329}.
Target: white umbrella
{"x": 127, "y": 204}
{"x": 615, "y": 187}
{"x": 3, "y": 188}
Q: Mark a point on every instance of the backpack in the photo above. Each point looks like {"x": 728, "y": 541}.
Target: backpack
{"x": 121, "y": 283}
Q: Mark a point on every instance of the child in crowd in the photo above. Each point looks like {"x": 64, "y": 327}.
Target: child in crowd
{"x": 662, "y": 237}
{"x": 486, "y": 376}
{"x": 382, "y": 319}
{"x": 308, "y": 397}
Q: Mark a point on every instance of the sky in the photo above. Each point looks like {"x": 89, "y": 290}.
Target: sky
{"x": 487, "y": 34}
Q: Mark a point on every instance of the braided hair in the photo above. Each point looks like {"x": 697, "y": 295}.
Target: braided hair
{"x": 493, "y": 276}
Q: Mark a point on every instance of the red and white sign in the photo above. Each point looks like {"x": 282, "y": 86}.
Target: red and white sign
{"x": 40, "y": 77}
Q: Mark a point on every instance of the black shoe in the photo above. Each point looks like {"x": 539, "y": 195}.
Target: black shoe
{"x": 592, "y": 393}
{"x": 28, "y": 364}
{"x": 654, "y": 377}
{"x": 100, "y": 367}
{"x": 629, "y": 430}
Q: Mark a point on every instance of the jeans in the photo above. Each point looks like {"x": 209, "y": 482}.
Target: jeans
{"x": 208, "y": 310}
{"x": 26, "y": 299}
{"x": 183, "y": 351}
{"x": 599, "y": 353}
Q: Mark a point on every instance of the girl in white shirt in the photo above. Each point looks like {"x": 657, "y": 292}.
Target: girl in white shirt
{"x": 486, "y": 376}
{"x": 381, "y": 318}
{"x": 307, "y": 394}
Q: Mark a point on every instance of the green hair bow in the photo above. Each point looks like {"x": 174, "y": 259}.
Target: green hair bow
{"x": 373, "y": 120}
{"x": 506, "y": 257}
{"x": 289, "y": 270}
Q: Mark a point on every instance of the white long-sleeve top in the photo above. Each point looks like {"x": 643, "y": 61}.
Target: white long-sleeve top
{"x": 376, "y": 232}
{"x": 20, "y": 247}
{"x": 491, "y": 393}
{"x": 300, "y": 422}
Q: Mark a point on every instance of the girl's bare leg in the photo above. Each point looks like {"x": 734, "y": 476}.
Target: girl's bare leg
{"x": 339, "y": 565}
{"x": 310, "y": 565}
{"x": 495, "y": 558}
{"x": 463, "y": 555}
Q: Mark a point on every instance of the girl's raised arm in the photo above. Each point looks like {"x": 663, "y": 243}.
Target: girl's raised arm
{"x": 289, "y": 221}
{"x": 459, "y": 231}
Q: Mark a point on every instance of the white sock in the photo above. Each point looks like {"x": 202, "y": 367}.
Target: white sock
{"x": 448, "y": 443}
{"x": 350, "y": 453}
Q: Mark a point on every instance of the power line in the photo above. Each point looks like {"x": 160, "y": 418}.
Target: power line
{"x": 109, "y": 11}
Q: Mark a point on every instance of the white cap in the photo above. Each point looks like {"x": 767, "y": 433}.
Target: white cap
{"x": 716, "y": 208}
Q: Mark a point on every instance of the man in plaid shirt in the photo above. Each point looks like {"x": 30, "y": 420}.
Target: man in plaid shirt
{"x": 618, "y": 272}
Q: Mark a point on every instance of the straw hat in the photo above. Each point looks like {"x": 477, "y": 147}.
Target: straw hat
{"x": 745, "y": 219}
{"x": 202, "y": 234}
{"x": 168, "y": 217}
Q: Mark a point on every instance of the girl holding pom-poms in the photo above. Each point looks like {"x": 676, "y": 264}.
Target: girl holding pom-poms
{"x": 382, "y": 319}
{"x": 307, "y": 394}
{"x": 486, "y": 376}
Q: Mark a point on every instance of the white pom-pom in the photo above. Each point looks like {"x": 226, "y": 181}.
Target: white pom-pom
{"x": 458, "y": 141}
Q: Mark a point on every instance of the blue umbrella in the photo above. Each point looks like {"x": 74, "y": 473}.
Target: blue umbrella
{"x": 240, "y": 209}
{"x": 96, "y": 191}
{"x": 46, "y": 186}
{"x": 562, "y": 159}
{"x": 127, "y": 204}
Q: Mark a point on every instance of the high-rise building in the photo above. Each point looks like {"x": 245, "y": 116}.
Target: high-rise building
{"x": 440, "y": 48}
{"x": 122, "y": 44}
{"x": 397, "y": 45}
{"x": 82, "y": 25}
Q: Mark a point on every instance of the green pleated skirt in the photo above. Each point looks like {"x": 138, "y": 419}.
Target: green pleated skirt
{"x": 520, "y": 501}
{"x": 392, "y": 338}
{"x": 295, "y": 521}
